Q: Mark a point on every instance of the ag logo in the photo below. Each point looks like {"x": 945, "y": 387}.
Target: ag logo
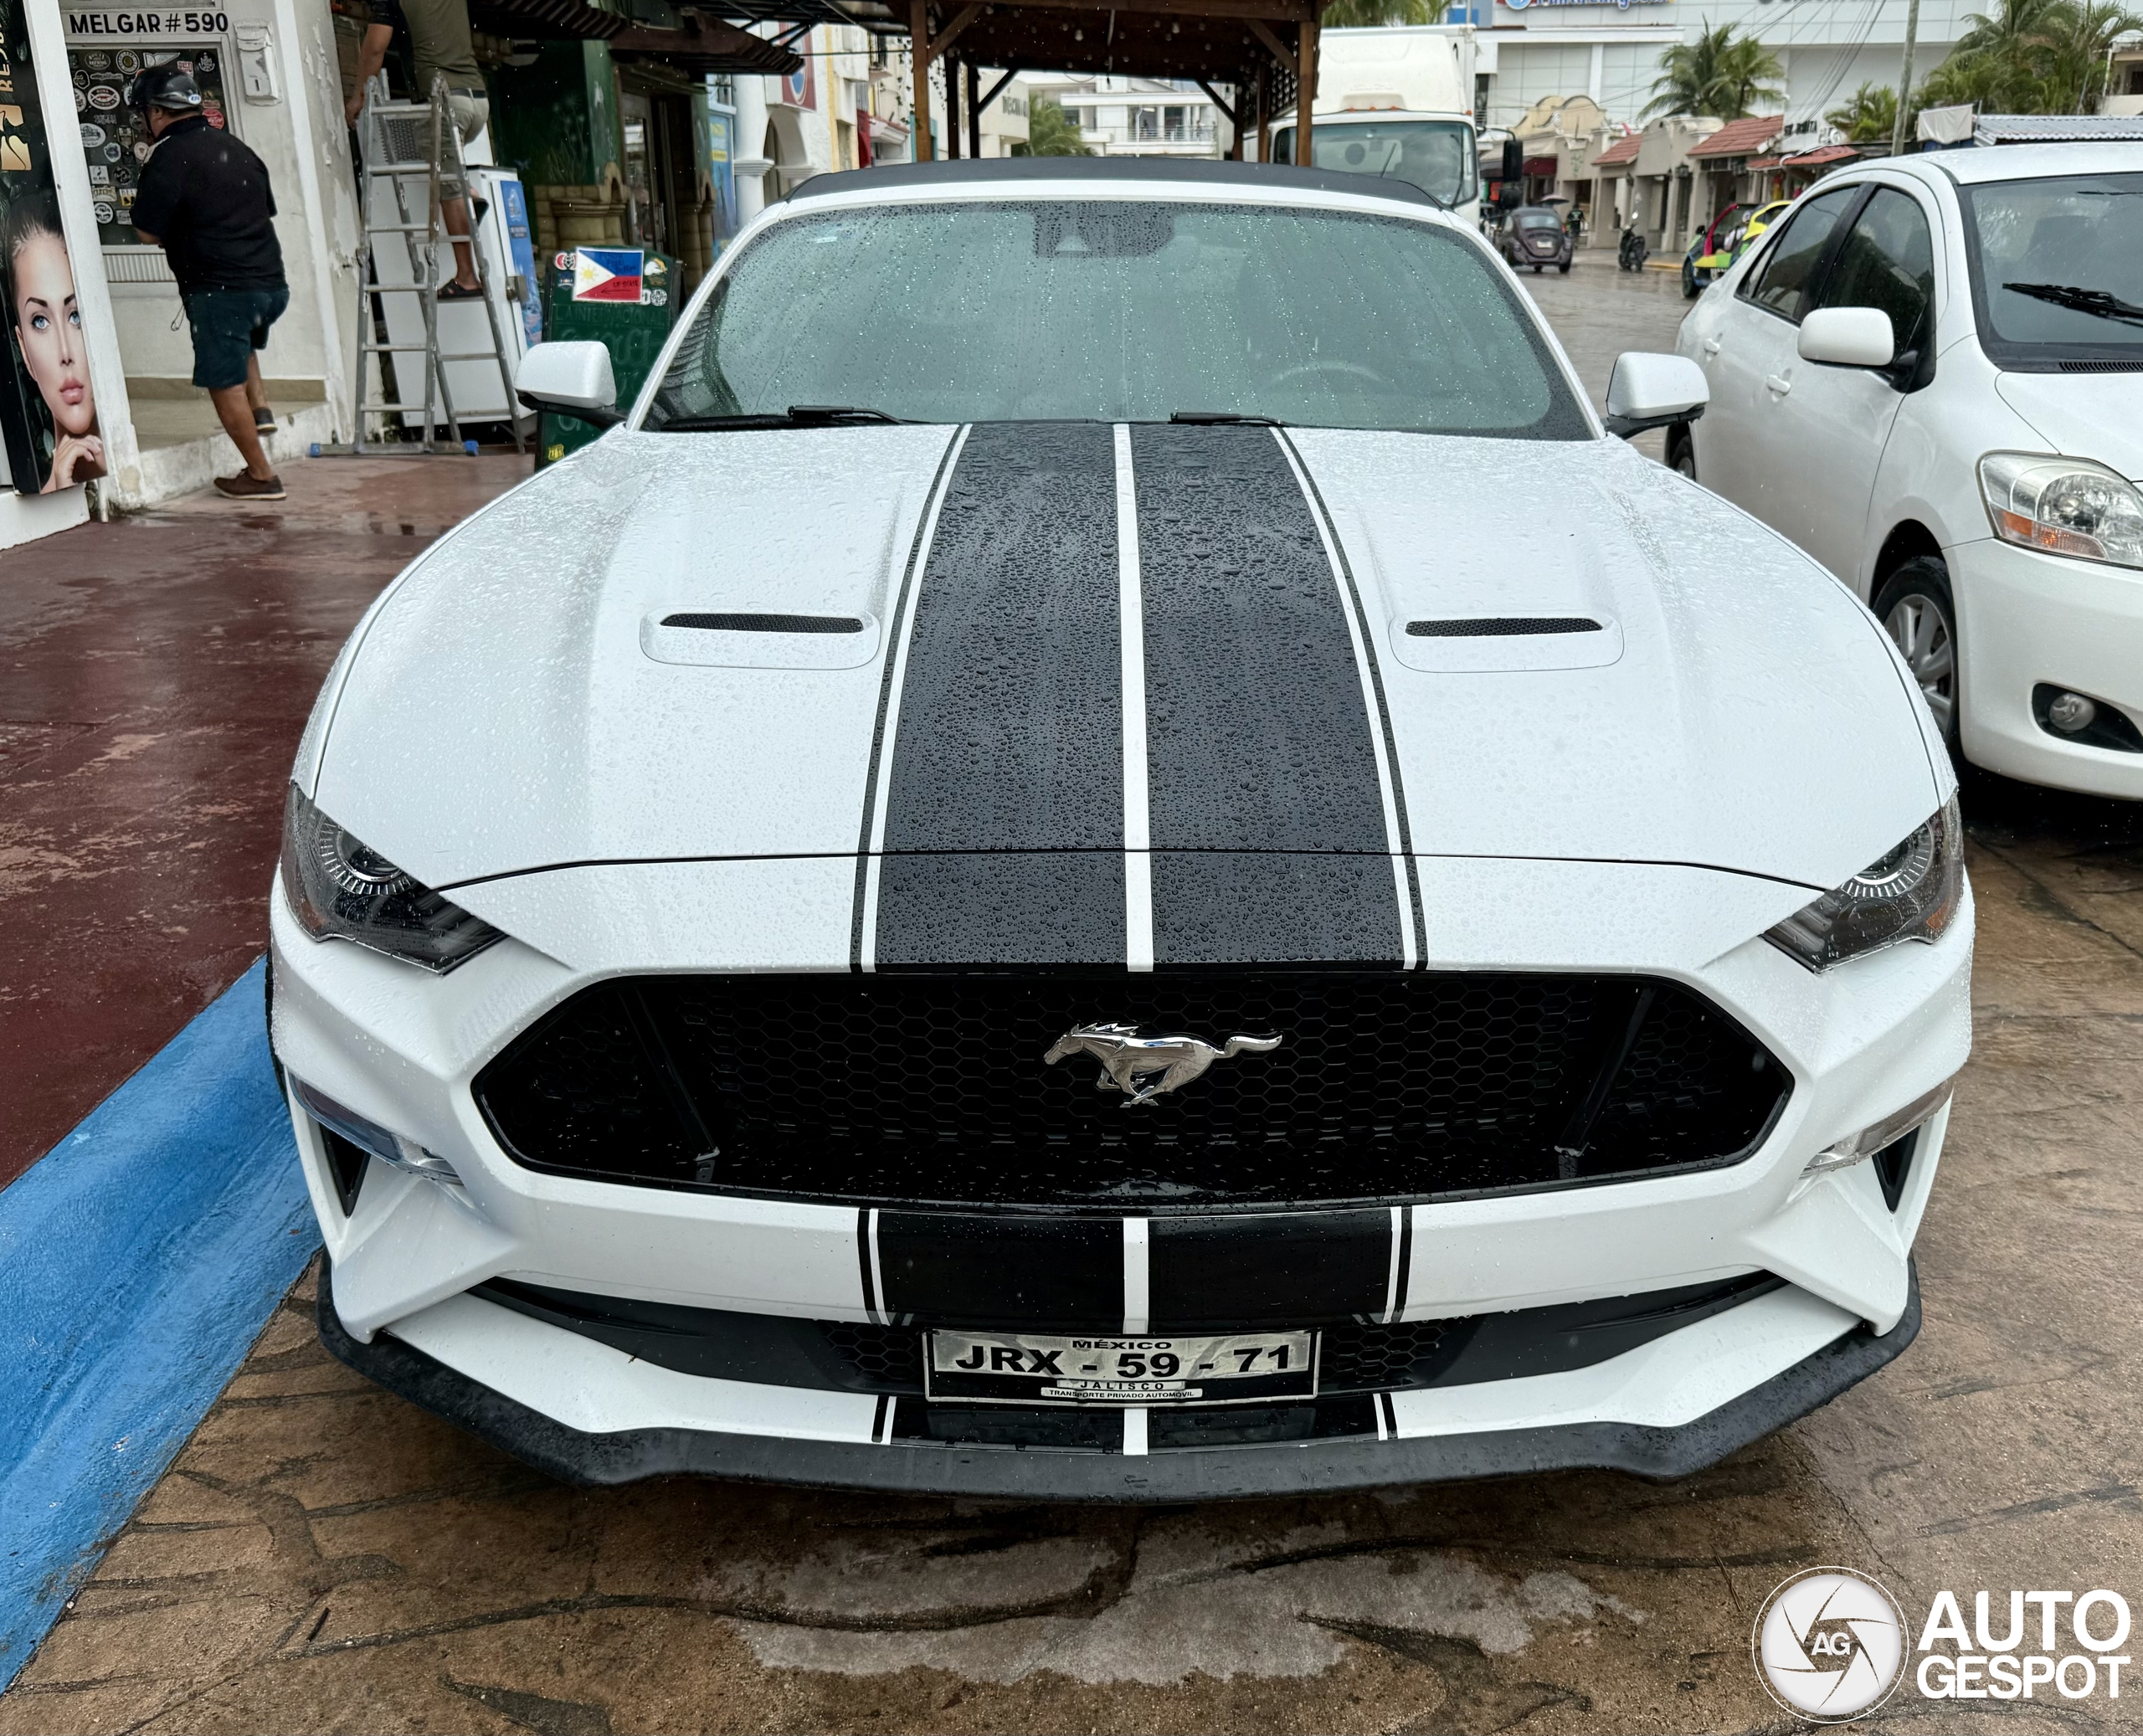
{"x": 1830, "y": 1644}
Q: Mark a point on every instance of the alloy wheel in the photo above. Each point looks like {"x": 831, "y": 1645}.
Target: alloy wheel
{"x": 1917, "y": 623}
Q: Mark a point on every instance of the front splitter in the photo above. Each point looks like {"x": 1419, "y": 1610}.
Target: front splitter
{"x": 1196, "y": 1474}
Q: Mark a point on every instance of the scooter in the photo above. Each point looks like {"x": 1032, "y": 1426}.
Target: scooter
{"x": 1630, "y": 256}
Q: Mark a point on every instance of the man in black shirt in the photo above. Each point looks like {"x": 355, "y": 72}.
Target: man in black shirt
{"x": 204, "y": 198}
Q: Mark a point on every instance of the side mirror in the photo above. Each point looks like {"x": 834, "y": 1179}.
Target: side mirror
{"x": 1848, "y": 337}
{"x": 573, "y": 379}
{"x": 1651, "y": 391}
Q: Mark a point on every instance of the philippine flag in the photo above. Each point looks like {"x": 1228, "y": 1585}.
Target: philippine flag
{"x": 607, "y": 274}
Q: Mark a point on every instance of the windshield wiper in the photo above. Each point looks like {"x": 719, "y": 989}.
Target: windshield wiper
{"x": 1224, "y": 418}
{"x": 797, "y": 415}
{"x": 2101, "y": 302}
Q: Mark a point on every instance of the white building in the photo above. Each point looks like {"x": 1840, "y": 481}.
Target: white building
{"x": 1609, "y": 49}
{"x": 1118, "y": 116}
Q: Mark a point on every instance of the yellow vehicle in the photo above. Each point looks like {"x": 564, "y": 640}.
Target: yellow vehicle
{"x": 1728, "y": 237}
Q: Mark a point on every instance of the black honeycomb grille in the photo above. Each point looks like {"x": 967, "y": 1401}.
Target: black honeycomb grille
{"x": 931, "y": 1089}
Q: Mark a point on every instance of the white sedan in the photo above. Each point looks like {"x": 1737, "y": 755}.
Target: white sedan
{"x": 1109, "y": 848}
{"x": 1930, "y": 377}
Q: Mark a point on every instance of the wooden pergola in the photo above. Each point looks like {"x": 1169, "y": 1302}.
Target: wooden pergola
{"x": 1260, "y": 49}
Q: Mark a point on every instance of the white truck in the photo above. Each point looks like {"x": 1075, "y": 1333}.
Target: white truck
{"x": 1395, "y": 100}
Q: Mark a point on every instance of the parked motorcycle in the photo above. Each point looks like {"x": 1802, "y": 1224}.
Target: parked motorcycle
{"x": 1630, "y": 256}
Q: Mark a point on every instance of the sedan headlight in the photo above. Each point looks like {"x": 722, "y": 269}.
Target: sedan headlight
{"x": 340, "y": 889}
{"x": 1910, "y": 893}
{"x": 2063, "y": 506}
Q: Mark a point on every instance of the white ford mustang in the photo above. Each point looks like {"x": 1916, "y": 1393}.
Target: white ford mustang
{"x": 1111, "y": 851}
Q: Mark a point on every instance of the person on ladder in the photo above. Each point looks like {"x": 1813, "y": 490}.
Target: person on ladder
{"x": 439, "y": 30}
{"x": 204, "y": 198}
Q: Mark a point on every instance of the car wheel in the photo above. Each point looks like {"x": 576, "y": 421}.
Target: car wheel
{"x": 1691, "y": 289}
{"x": 1682, "y": 451}
{"x": 1917, "y": 610}
{"x": 1536, "y": 270}
{"x": 1565, "y": 268}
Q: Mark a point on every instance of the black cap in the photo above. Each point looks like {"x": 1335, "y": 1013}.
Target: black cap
{"x": 166, "y": 87}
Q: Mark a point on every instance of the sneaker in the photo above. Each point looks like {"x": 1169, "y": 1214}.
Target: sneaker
{"x": 263, "y": 418}
{"x": 245, "y": 486}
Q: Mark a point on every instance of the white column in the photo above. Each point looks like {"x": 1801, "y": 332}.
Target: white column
{"x": 751, "y": 143}
{"x": 1596, "y": 80}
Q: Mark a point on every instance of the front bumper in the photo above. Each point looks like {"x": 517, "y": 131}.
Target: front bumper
{"x": 1644, "y": 1412}
{"x": 2025, "y": 619}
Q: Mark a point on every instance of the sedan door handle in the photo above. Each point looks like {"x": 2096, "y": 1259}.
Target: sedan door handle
{"x": 1777, "y": 382}
{"x": 1711, "y": 346}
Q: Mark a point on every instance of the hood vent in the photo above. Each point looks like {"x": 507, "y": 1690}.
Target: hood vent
{"x": 1501, "y": 626}
{"x": 766, "y": 623}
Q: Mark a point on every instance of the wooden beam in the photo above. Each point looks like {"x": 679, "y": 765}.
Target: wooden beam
{"x": 1306, "y": 93}
{"x": 1281, "y": 51}
{"x": 974, "y": 110}
{"x": 1223, "y": 107}
{"x": 918, "y": 17}
{"x": 997, "y": 90}
{"x": 1282, "y": 11}
{"x": 1264, "y": 120}
{"x": 951, "y": 34}
{"x": 952, "y": 107}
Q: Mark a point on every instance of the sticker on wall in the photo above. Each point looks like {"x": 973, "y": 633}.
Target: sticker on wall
{"x": 92, "y": 135}
{"x": 104, "y": 97}
{"x": 607, "y": 274}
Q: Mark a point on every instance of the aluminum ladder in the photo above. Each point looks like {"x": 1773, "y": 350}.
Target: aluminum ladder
{"x": 397, "y": 140}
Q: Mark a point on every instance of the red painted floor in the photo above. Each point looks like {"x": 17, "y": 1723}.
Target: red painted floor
{"x": 155, "y": 674}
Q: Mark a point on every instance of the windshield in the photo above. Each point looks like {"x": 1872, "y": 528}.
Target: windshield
{"x": 1118, "y": 311}
{"x": 2058, "y": 268}
{"x": 1436, "y": 156}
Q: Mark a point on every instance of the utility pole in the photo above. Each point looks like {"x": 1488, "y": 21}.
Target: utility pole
{"x": 1904, "y": 79}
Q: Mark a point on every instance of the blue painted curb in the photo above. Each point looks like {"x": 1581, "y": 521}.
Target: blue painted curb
{"x": 138, "y": 1262}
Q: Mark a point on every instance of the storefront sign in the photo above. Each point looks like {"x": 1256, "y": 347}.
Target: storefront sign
{"x": 48, "y": 412}
{"x": 799, "y": 90}
{"x": 150, "y": 26}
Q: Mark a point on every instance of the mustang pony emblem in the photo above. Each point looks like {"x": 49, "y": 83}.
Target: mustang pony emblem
{"x": 1127, "y": 1058}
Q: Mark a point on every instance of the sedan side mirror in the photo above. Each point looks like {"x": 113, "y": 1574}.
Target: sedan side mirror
{"x": 1651, "y": 391}
{"x": 572, "y": 379}
{"x": 1848, "y": 337}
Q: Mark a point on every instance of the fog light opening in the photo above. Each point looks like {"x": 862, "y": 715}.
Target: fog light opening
{"x": 2071, "y": 714}
{"x": 1860, "y": 1147}
{"x": 368, "y": 1136}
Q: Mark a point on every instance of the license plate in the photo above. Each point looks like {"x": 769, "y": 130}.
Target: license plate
{"x": 1179, "y": 1369}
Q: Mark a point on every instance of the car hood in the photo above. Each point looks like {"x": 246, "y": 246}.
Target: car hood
{"x": 522, "y": 698}
{"x": 2081, "y": 415}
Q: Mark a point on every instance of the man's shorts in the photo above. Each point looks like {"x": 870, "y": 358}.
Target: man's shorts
{"x": 470, "y": 114}
{"x": 228, "y": 326}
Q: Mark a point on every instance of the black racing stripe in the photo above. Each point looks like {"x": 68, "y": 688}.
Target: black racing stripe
{"x": 1258, "y": 739}
{"x": 1237, "y": 907}
{"x": 998, "y": 1270}
{"x": 863, "y": 1259}
{"x": 1405, "y": 1261}
{"x": 1279, "y": 1268}
{"x": 1367, "y": 630}
{"x": 889, "y": 655}
{"x": 1004, "y": 809}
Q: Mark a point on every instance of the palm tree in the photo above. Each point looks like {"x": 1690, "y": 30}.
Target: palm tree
{"x": 1718, "y": 73}
{"x": 2031, "y": 57}
{"x": 2080, "y": 36}
{"x": 1050, "y": 132}
{"x": 1869, "y": 117}
{"x": 1355, "y": 14}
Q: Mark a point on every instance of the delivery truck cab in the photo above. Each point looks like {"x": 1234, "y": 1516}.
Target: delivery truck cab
{"x": 1395, "y": 101}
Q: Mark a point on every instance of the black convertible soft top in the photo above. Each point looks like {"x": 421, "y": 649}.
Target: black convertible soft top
{"x": 1039, "y": 172}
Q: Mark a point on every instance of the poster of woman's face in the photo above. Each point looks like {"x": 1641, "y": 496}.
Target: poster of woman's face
{"x": 47, "y": 413}
{"x": 45, "y": 327}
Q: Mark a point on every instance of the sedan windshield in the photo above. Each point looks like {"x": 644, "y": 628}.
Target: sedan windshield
{"x": 1116, "y": 310}
{"x": 2058, "y": 268}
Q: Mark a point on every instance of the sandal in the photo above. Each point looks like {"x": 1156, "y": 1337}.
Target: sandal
{"x": 451, "y": 291}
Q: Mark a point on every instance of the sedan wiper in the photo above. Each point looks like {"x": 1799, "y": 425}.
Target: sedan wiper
{"x": 1224, "y": 418}
{"x": 2101, "y": 302}
{"x": 797, "y": 415}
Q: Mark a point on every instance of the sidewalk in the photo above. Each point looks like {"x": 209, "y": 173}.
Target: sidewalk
{"x": 159, "y": 670}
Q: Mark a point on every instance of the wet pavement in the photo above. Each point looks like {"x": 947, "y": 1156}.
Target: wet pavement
{"x": 324, "y": 1557}
{"x": 154, "y": 673}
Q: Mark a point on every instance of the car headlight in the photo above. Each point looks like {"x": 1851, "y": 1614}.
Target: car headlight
{"x": 2063, "y": 506}
{"x": 1909, "y": 893}
{"x": 340, "y": 889}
